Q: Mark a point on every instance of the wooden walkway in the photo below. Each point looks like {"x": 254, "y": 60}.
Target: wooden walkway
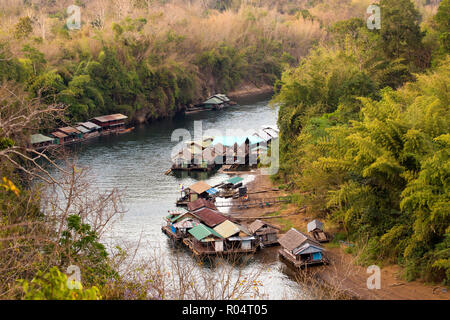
{"x": 235, "y": 215}
{"x": 263, "y": 202}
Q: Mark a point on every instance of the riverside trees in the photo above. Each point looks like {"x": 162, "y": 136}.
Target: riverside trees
{"x": 374, "y": 156}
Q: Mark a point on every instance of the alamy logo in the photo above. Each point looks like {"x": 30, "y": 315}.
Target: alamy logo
{"x": 374, "y": 20}
{"x": 74, "y": 19}
{"x": 237, "y": 146}
{"x": 74, "y": 278}
{"x": 374, "y": 281}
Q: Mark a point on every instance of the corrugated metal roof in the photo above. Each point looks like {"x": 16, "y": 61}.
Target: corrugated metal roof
{"x": 258, "y": 224}
{"x": 313, "y": 225}
{"x": 227, "y": 229}
{"x": 40, "y": 138}
{"x": 201, "y": 231}
{"x": 201, "y": 203}
{"x": 58, "y": 134}
{"x": 90, "y": 125}
{"x": 200, "y": 187}
{"x": 209, "y": 217}
{"x": 213, "y": 100}
{"x": 308, "y": 248}
{"x": 82, "y": 129}
{"x": 294, "y": 239}
{"x": 111, "y": 117}
{"x": 255, "y": 226}
{"x": 181, "y": 217}
{"x": 186, "y": 224}
{"x": 220, "y": 96}
{"x": 234, "y": 180}
{"x": 69, "y": 130}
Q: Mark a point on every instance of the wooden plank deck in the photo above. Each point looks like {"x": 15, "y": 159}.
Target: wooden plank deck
{"x": 200, "y": 251}
{"x": 170, "y": 234}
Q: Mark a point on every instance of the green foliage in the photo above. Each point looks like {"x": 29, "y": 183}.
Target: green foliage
{"x": 400, "y": 32}
{"x": 384, "y": 175}
{"x": 53, "y": 285}
{"x": 6, "y": 143}
{"x": 81, "y": 247}
{"x": 442, "y": 19}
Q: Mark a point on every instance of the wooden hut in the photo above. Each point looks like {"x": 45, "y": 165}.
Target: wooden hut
{"x": 200, "y": 204}
{"x": 209, "y": 217}
{"x": 299, "y": 250}
{"x": 315, "y": 228}
{"x": 199, "y": 190}
{"x": 237, "y": 239}
{"x": 176, "y": 231}
{"x": 204, "y": 241}
{"x": 213, "y": 103}
{"x": 93, "y": 130}
{"x": 193, "y": 158}
{"x": 112, "y": 122}
{"x": 39, "y": 141}
{"x": 266, "y": 233}
{"x": 60, "y": 138}
{"x": 72, "y": 134}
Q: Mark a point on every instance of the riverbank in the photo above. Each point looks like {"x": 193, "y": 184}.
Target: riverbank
{"x": 342, "y": 273}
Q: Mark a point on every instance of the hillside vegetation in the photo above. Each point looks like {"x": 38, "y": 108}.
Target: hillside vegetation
{"x": 363, "y": 117}
{"x": 364, "y": 123}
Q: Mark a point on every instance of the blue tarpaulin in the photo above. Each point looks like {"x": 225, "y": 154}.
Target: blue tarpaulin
{"x": 212, "y": 191}
{"x": 317, "y": 256}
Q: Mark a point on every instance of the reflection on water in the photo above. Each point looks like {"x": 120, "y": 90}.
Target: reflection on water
{"x": 136, "y": 162}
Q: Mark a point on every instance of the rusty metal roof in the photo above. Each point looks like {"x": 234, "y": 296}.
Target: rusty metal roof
{"x": 69, "y": 130}
{"x": 58, "y": 134}
{"x": 209, "y": 217}
{"x": 90, "y": 125}
{"x": 201, "y": 203}
{"x": 111, "y": 117}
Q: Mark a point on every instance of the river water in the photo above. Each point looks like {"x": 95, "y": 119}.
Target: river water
{"x": 136, "y": 163}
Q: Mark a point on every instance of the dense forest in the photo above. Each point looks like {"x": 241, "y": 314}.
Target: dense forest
{"x": 363, "y": 121}
{"x": 365, "y": 126}
{"x": 147, "y": 59}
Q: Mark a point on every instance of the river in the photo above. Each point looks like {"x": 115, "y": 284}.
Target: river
{"x": 136, "y": 163}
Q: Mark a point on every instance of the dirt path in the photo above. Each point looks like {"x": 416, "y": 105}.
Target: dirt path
{"x": 342, "y": 271}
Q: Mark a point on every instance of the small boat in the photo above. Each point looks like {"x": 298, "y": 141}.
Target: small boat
{"x": 126, "y": 130}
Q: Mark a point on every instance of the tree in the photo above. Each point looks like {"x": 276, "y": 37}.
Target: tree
{"x": 23, "y": 28}
{"x": 401, "y": 36}
{"x": 442, "y": 19}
